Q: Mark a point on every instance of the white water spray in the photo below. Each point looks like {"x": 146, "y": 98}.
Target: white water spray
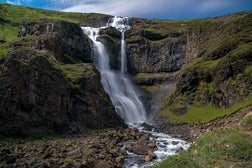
{"x": 123, "y": 93}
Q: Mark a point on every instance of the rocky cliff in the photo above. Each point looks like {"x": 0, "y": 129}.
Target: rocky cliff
{"x": 47, "y": 84}
{"x": 205, "y": 64}
{"x": 190, "y": 70}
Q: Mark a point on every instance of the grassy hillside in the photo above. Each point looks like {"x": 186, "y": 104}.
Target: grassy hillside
{"x": 222, "y": 148}
{"x": 216, "y": 79}
{"x": 11, "y": 17}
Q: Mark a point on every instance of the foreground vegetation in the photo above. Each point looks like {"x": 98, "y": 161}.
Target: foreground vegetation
{"x": 204, "y": 113}
{"x": 230, "y": 147}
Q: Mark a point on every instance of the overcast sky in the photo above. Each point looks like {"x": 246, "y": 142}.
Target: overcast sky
{"x": 166, "y": 9}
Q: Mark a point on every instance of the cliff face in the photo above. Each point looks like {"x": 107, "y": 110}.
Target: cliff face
{"x": 47, "y": 84}
{"x": 211, "y": 57}
{"x": 150, "y": 51}
{"x": 188, "y": 69}
{"x": 188, "y": 66}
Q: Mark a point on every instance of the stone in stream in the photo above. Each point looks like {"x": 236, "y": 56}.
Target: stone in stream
{"x": 149, "y": 157}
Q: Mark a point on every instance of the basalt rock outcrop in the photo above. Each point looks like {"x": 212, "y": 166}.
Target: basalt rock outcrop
{"x": 63, "y": 40}
{"x": 210, "y": 60}
{"x": 47, "y": 84}
{"x": 146, "y": 56}
{"x": 220, "y": 74}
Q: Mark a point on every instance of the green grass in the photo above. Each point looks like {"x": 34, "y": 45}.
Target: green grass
{"x": 242, "y": 49}
{"x": 4, "y": 51}
{"x": 247, "y": 121}
{"x": 232, "y": 46}
{"x": 152, "y": 90}
{"x": 248, "y": 69}
{"x": 77, "y": 71}
{"x": 69, "y": 160}
{"x": 225, "y": 44}
{"x": 18, "y": 14}
{"x": 222, "y": 148}
{"x": 146, "y": 76}
{"x": 8, "y": 32}
{"x": 19, "y": 62}
{"x": 211, "y": 64}
{"x": 202, "y": 114}
{"x": 11, "y": 17}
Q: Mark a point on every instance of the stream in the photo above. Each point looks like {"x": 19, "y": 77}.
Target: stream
{"x": 124, "y": 95}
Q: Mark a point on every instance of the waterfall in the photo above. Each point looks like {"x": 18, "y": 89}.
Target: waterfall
{"x": 123, "y": 93}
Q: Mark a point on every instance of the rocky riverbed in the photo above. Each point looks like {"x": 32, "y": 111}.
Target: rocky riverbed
{"x": 103, "y": 148}
{"x": 97, "y": 149}
{"x": 191, "y": 132}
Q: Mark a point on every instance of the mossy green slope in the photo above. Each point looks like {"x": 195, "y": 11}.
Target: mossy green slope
{"x": 217, "y": 81}
{"x": 221, "y": 148}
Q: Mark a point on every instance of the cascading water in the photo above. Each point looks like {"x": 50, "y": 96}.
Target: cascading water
{"x": 123, "y": 93}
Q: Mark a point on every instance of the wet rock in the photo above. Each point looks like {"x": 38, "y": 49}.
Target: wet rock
{"x": 152, "y": 145}
{"x": 119, "y": 160}
{"x": 149, "y": 157}
{"x": 143, "y": 139}
{"x": 175, "y": 142}
{"x": 103, "y": 164}
{"x": 179, "y": 150}
{"x": 124, "y": 152}
{"x": 10, "y": 159}
{"x": 47, "y": 155}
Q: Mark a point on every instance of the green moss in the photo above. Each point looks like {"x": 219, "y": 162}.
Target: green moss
{"x": 134, "y": 38}
{"x": 247, "y": 121}
{"x": 77, "y": 71}
{"x": 146, "y": 76}
{"x": 231, "y": 46}
{"x": 4, "y": 51}
{"x": 222, "y": 148}
{"x": 70, "y": 59}
{"x": 205, "y": 89}
{"x": 152, "y": 90}
{"x": 225, "y": 44}
{"x": 242, "y": 50}
{"x": 69, "y": 160}
{"x": 202, "y": 114}
{"x": 248, "y": 70}
{"x": 29, "y": 38}
{"x": 19, "y": 62}
{"x": 211, "y": 64}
